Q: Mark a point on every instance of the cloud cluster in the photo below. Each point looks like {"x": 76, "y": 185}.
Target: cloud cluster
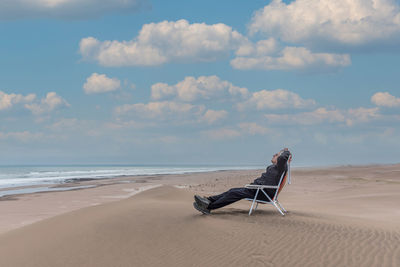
{"x": 51, "y": 102}
{"x": 212, "y": 87}
{"x": 8, "y": 100}
{"x": 308, "y": 24}
{"x": 180, "y": 41}
{"x": 275, "y": 99}
{"x": 324, "y": 21}
{"x": 323, "y": 115}
{"x": 207, "y": 100}
{"x": 67, "y": 9}
{"x": 100, "y": 83}
{"x": 166, "y": 41}
{"x": 191, "y": 89}
{"x": 290, "y": 58}
{"x": 385, "y": 99}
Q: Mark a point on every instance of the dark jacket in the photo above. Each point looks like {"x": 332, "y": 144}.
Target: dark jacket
{"x": 273, "y": 173}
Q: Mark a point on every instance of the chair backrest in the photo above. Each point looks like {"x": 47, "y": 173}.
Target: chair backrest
{"x": 285, "y": 176}
{"x": 283, "y": 182}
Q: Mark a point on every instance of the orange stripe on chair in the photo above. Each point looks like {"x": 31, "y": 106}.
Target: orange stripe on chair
{"x": 282, "y": 183}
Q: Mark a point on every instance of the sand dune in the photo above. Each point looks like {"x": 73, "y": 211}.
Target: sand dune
{"x": 159, "y": 227}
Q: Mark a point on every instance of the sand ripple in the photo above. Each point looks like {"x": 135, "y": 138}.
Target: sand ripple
{"x": 160, "y": 228}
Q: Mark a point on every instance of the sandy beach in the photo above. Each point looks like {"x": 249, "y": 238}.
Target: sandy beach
{"x": 118, "y": 116}
{"x": 338, "y": 216}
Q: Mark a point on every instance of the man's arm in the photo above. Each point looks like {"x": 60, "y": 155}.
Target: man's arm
{"x": 283, "y": 158}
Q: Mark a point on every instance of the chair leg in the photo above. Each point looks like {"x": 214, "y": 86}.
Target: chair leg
{"x": 282, "y": 208}
{"x": 256, "y": 206}
{"x": 252, "y": 204}
{"x": 276, "y": 206}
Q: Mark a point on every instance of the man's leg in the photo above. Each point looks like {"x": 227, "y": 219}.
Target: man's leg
{"x": 216, "y": 197}
{"x": 230, "y": 196}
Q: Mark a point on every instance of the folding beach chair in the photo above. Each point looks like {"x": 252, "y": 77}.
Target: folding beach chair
{"x": 278, "y": 188}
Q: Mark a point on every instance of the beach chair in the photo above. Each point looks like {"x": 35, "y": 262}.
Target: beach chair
{"x": 274, "y": 201}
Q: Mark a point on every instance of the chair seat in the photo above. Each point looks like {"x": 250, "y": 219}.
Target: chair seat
{"x": 259, "y": 201}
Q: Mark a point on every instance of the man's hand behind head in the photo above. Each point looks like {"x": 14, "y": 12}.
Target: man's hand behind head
{"x": 285, "y": 149}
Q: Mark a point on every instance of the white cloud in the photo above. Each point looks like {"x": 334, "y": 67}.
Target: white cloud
{"x": 51, "y": 102}
{"x": 166, "y": 41}
{"x": 342, "y": 21}
{"x": 385, "y": 99}
{"x": 275, "y": 99}
{"x": 260, "y": 48}
{"x": 290, "y": 58}
{"x": 211, "y": 116}
{"x": 160, "y": 110}
{"x": 190, "y": 89}
{"x": 162, "y": 90}
{"x": 362, "y": 115}
{"x": 73, "y": 9}
{"x": 100, "y": 83}
{"x": 323, "y": 115}
{"x": 8, "y": 100}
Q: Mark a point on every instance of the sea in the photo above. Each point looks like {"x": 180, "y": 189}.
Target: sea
{"x": 17, "y": 176}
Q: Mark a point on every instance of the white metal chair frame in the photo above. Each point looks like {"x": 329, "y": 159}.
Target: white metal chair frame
{"x": 274, "y": 201}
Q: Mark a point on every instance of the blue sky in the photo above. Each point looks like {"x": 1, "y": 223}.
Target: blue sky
{"x": 199, "y": 82}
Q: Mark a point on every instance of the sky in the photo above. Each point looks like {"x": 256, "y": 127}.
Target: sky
{"x": 199, "y": 82}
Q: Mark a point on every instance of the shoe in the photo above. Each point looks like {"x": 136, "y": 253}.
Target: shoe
{"x": 201, "y": 209}
{"x": 201, "y": 201}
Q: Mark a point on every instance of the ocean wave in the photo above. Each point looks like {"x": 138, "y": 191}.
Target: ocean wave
{"x": 22, "y": 176}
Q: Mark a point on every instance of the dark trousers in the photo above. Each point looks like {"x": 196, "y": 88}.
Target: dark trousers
{"x": 233, "y": 195}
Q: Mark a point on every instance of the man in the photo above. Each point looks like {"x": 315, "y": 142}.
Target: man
{"x": 271, "y": 176}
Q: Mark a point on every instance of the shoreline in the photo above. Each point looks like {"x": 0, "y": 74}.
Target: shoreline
{"x": 36, "y": 178}
{"x": 68, "y": 184}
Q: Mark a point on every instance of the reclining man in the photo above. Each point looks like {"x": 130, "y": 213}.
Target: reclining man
{"x": 271, "y": 176}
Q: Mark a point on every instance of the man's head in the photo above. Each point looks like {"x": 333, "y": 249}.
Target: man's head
{"x": 274, "y": 159}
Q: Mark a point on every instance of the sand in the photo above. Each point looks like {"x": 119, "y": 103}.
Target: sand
{"x": 337, "y": 217}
